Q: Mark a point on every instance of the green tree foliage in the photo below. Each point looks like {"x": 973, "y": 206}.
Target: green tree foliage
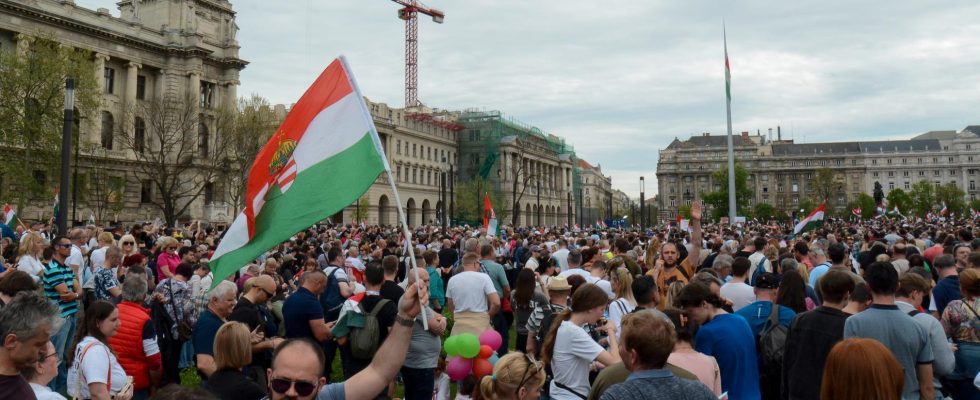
{"x": 825, "y": 184}
{"x": 469, "y": 201}
{"x": 718, "y": 200}
{"x": 866, "y": 203}
{"x": 32, "y": 96}
{"x": 899, "y": 198}
{"x": 952, "y": 195}
{"x": 923, "y": 197}
{"x": 975, "y": 205}
{"x": 685, "y": 211}
{"x": 763, "y": 211}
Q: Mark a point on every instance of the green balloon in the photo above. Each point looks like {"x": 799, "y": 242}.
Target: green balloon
{"x": 451, "y": 346}
{"x": 468, "y": 345}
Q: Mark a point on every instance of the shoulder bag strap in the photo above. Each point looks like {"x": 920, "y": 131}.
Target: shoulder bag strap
{"x": 774, "y": 316}
{"x": 78, "y": 369}
{"x": 377, "y": 307}
{"x": 173, "y": 306}
{"x": 968, "y": 307}
{"x": 570, "y": 390}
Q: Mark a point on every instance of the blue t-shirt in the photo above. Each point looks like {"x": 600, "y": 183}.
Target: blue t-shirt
{"x": 333, "y": 391}
{"x": 730, "y": 341}
{"x": 205, "y": 330}
{"x": 297, "y": 312}
{"x": 757, "y": 313}
{"x": 818, "y": 272}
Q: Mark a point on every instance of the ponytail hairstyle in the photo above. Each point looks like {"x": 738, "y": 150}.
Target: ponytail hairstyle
{"x": 512, "y": 372}
{"x": 624, "y": 284}
{"x": 587, "y": 297}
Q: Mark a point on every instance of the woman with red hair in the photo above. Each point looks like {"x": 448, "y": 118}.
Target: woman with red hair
{"x": 861, "y": 369}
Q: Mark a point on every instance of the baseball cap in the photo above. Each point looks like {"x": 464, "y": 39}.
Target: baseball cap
{"x": 767, "y": 280}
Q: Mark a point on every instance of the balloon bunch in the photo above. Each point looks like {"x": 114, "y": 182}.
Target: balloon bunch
{"x": 468, "y": 353}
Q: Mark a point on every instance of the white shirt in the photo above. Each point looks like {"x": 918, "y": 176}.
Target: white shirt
{"x": 531, "y": 263}
{"x": 97, "y": 258}
{"x": 617, "y": 310}
{"x": 469, "y": 291}
{"x": 562, "y": 257}
{"x": 45, "y": 393}
{"x": 31, "y": 265}
{"x": 740, "y": 293}
{"x": 574, "y": 352}
{"x": 605, "y": 285}
{"x": 754, "y": 259}
{"x": 94, "y": 368}
{"x": 576, "y": 271}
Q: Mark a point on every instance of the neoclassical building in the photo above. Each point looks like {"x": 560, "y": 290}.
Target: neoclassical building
{"x": 153, "y": 49}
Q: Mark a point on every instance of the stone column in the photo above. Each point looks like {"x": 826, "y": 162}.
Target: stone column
{"x": 160, "y": 85}
{"x": 23, "y": 43}
{"x": 95, "y": 118}
{"x": 194, "y": 88}
{"x": 231, "y": 94}
{"x": 132, "y": 72}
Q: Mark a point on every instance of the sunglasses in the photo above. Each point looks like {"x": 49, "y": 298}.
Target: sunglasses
{"x": 64, "y": 245}
{"x": 128, "y": 243}
{"x": 530, "y": 363}
{"x": 267, "y": 293}
{"x": 281, "y": 386}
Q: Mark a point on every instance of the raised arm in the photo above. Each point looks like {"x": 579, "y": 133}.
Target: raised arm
{"x": 696, "y": 238}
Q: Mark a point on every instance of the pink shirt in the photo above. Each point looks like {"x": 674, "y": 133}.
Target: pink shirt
{"x": 703, "y": 366}
{"x": 169, "y": 261}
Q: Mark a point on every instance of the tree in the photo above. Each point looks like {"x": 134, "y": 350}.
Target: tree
{"x": 361, "y": 208}
{"x": 718, "y": 200}
{"x": 952, "y": 196}
{"x": 974, "y": 205}
{"x": 825, "y": 183}
{"x": 922, "y": 197}
{"x": 180, "y": 153}
{"x": 32, "y": 95}
{"x": 684, "y": 210}
{"x": 866, "y": 203}
{"x": 521, "y": 177}
{"x": 106, "y": 191}
{"x": 469, "y": 199}
{"x": 764, "y": 212}
{"x": 255, "y": 122}
{"x": 899, "y": 198}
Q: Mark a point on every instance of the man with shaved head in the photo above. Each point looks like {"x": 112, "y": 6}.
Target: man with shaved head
{"x": 249, "y": 311}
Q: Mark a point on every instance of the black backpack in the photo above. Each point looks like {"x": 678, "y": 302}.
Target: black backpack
{"x": 331, "y": 299}
{"x": 772, "y": 346}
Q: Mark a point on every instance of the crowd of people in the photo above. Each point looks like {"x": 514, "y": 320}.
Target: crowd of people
{"x": 875, "y": 309}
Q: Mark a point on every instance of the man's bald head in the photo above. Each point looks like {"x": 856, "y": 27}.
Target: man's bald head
{"x": 297, "y": 360}
{"x": 423, "y": 275}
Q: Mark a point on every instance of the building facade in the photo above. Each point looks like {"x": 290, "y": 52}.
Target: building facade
{"x": 530, "y": 170}
{"x": 781, "y": 172}
{"x": 153, "y": 50}
{"x": 596, "y": 194}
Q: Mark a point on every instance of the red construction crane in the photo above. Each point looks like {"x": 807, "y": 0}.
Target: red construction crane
{"x": 410, "y": 14}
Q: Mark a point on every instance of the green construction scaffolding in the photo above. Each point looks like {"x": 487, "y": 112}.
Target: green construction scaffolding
{"x": 480, "y": 141}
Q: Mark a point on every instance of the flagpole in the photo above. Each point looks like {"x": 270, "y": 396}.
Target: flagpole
{"x": 394, "y": 189}
{"x": 731, "y": 151}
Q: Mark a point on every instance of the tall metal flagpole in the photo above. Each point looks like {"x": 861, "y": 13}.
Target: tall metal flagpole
{"x": 391, "y": 180}
{"x": 731, "y": 149}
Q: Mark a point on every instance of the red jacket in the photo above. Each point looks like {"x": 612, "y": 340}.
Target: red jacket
{"x": 128, "y": 344}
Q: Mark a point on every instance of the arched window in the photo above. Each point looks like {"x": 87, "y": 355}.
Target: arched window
{"x": 139, "y": 134}
{"x": 107, "y": 128}
{"x": 202, "y": 139}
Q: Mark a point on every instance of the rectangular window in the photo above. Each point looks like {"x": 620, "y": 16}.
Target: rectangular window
{"x": 973, "y": 185}
{"x": 398, "y": 147}
{"x": 110, "y": 80}
{"x": 891, "y": 174}
{"x": 891, "y": 185}
{"x": 207, "y": 94}
{"x": 140, "y": 87}
{"x": 209, "y": 193}
{"x": 415, "y": 150}
{"x": 907, "y": 186}
{"x": 398, "y": 176}
{"x": 146, "y": 191}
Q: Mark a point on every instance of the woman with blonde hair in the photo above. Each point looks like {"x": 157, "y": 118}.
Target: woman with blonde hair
{"x": 97, "y": 256}
{"x": 232, "y": 352}
{"x": 622, "y": 286}
{"x": 651, "y": 254}
{"x": 962, "y": 325}
{"x": 516, "y": 376}
{"x": 128, "y": 245}
{"x": 861, "y": 369}
{"x": 167, "y": 258}
{"x": 29, "y": 255}
{"x": 673, "y": 290}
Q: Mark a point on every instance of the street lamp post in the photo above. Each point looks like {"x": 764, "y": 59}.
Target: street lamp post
{"x": 452, "y": 197}
{"x": 643, "y": 214}
{"x": 442, "y": 197}
{"x": 66, "y": 136}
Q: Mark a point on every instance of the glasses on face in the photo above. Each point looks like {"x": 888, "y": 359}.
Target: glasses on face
{"x": 42, "y": 356}
{"x": 63, "y": 245}
{"x": 530, "y": 363}
{"x": 128, "y": 243}
{"x": 282, "y": 385}
{"x": 268, "y": 293}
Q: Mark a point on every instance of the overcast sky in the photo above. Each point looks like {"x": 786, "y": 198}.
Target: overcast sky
{"x": 621, "y": 78}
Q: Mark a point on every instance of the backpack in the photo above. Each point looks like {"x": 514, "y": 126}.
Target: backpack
{"x": 542, "y": 332}
{"x": 331, "y": 299}
{"x": 759, "y": 270}
{"x": 364, "y": 341}
{"x": 772, "y": 346}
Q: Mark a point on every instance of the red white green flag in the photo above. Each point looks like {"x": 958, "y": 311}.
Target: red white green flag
{"x": 322, "y": 158}
{"x": 489, "y": 217}
{"x": 812, "y": 221}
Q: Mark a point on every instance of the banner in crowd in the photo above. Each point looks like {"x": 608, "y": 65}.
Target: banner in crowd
{"x": 812, "y": 221}
{"x": 322, "y": 158}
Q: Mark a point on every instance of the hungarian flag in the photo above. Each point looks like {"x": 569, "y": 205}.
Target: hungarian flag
{"x": 812, "y": 221}
{"x": 489, "y": 217}
{"x": 856, "y": 211}
{"x": 322, "y": 158}
{"x": 91, "y": 219}
{"x": 944, "y": 210}
{"x": 8, "y": 214}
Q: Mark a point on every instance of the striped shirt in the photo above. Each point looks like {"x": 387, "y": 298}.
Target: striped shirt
{"x": 56, "y": 274}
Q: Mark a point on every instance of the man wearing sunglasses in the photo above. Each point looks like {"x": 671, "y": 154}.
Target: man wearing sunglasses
{"x": 297, "y": 365}
{"x": 247, "y": 311}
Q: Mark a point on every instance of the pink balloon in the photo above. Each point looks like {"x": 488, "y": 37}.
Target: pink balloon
{"x": 458, "y": 367}
{"x": 491, "y": 338}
